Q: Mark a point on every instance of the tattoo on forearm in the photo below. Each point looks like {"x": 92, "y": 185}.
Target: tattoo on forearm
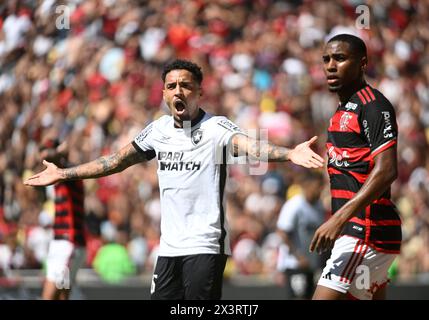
{"x": 266, "y": 151}
{"x": 105, "y": 165}
{"x": 276, "y": 153}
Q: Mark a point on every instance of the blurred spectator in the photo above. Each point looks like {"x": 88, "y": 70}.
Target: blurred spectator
{"x": 112, "y": 261}
{"x": 66, "y": 253}
{"x": 11, "y": 254}
{"x": 38, "y": 238}
{"x": 299, "y": 219}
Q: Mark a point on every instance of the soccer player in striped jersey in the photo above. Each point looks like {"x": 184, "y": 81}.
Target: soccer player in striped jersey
{"x": 66, "y": 253}
{"x": 191, "y": 147}
{"x": 364, "y": 232}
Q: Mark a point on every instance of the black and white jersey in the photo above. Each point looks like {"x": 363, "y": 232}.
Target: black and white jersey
{"x": 192, "y": 173}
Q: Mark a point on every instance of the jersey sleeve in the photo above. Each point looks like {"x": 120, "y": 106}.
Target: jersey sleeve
{"x": 143, "y": 142}
{"x": 379, "y": 126}
{"x": 225, "y": 130}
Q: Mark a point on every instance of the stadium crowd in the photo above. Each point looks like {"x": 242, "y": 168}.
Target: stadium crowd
{"x": 90, "y": 72}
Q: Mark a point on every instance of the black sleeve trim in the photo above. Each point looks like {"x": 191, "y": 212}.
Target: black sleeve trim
{"x": 149, "y": 154}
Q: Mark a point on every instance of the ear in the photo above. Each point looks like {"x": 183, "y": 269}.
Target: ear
{"x": 364, "y": 63}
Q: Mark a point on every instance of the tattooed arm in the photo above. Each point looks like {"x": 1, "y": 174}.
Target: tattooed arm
{"x": 100, "y": 167}
{"x": 265, "y": 151}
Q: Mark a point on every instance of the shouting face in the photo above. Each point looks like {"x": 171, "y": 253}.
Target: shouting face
{"x": 182, "y": 93}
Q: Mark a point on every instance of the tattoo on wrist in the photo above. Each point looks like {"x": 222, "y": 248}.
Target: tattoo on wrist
{"x": 277, "y": 153}
{"x": 264, "y": 151}
{"x": 70, "y": 173}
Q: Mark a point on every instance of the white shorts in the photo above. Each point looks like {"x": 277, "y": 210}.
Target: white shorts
{"x": 356, "y": 269}
{"x": 63, "y": 261}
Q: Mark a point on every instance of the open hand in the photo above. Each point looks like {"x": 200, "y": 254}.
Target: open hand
{"x": 47, "y": 177}
{"x": 303, "y": 155}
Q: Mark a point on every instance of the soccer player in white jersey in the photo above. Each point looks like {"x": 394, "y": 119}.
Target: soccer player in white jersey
{"x": 191, "y": 147}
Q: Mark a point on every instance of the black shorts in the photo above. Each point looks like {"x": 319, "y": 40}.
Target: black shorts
{"x": 193, "y": 277}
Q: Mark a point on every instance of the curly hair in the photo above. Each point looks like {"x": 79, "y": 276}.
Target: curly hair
{"x": 185, "y": 65}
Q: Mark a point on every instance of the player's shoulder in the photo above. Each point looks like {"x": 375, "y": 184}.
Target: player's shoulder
{"x": 369, "y": 97}
{"x": 160, "y": 124}
{"x": 161, "y": 121}
{"x": 225, "y": 123}
{"x": 153, "y": 128}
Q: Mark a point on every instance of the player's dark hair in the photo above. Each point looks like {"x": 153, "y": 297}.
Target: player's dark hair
{"x": 179, "y": 64}
{"x": 356, "y": 44}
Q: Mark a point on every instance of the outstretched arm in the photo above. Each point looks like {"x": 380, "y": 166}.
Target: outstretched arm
{"x": 379, "y": 180}
{"x": 100, "y": 167}
{"x": 301, "y": 154}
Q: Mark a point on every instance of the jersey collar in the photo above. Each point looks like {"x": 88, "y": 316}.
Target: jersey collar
{"x": 194, "y": 122}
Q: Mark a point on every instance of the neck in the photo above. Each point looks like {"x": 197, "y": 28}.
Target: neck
{"x": 194, "y": 120}
{"x": 345, "y": 94}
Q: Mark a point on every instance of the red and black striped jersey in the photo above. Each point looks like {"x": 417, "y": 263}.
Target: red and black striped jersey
{"x": 359, "y": 130}
{"x": 69, "y": 212}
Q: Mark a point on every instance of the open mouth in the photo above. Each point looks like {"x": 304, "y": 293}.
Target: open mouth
{"x": 179, "y": 105}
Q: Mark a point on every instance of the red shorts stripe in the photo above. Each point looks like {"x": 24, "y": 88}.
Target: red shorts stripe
{"x": 358, "y": 243}
{"x": 353, "y": 264}
{"x": 360, "y": 261}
